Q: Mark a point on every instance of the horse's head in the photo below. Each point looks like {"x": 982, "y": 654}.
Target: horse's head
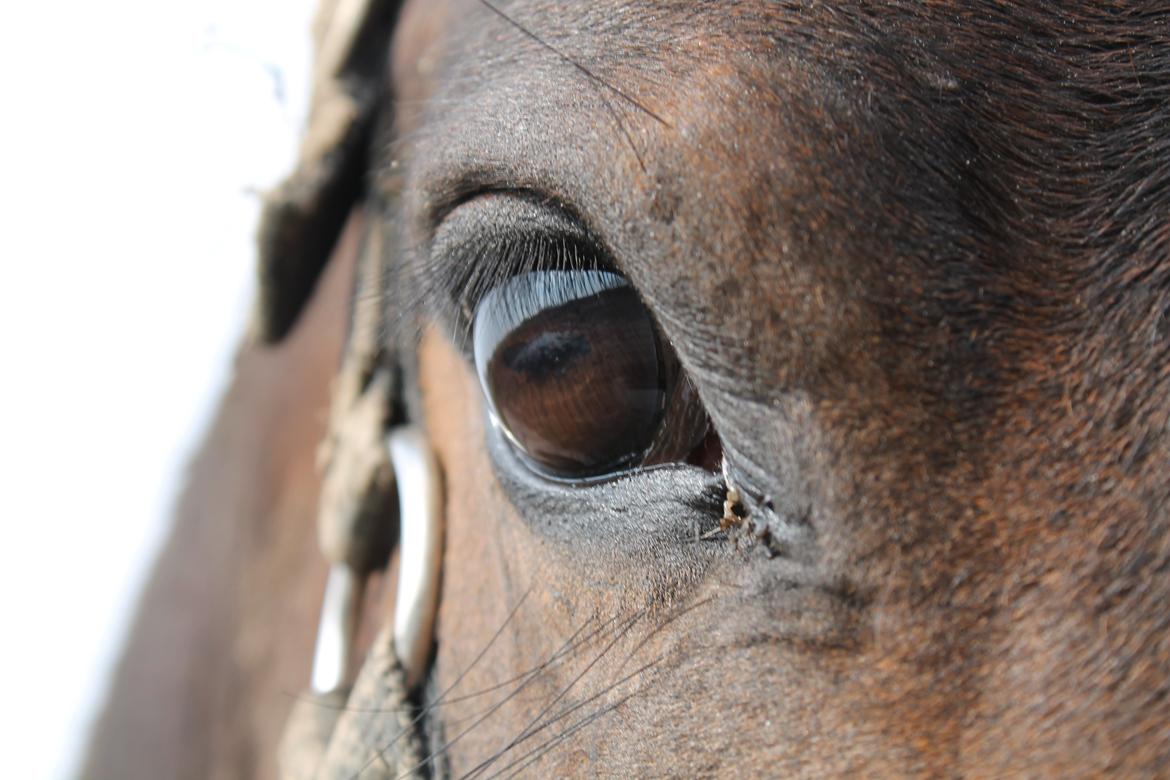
{"x": 798, "y": 374}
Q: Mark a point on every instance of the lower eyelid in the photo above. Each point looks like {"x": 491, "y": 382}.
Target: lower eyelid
{"x": 632, "y": 511}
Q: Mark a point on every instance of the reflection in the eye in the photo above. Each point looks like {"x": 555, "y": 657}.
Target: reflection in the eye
{"x": 571, "y": 366}
{"x": 576, "y": 375}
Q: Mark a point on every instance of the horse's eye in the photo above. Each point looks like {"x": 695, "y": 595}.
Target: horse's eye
{"x": 577, "y": 377}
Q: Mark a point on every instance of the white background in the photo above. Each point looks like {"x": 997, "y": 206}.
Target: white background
{"x": 133, "y": 139}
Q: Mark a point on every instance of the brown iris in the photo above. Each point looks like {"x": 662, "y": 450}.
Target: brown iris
{"x": 574, "y": 371}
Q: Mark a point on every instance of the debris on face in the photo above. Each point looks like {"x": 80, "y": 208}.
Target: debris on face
{"x": 736, "y": 526}
{"x": 733, "y": 511}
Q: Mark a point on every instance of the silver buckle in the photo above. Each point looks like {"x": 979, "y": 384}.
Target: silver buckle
{"x": 420, "y": 517}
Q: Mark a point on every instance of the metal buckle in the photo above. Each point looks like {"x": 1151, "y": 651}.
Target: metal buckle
{"x": 420, "y": 549}
{"x": 420, "y": 517}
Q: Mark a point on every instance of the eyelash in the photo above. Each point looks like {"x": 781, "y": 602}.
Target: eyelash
{"x": 459, "y": 272}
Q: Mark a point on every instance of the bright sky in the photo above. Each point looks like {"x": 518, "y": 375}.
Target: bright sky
{"x": 134, "y": 136}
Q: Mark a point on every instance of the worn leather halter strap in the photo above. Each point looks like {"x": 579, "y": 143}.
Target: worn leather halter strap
{"x": 369, "y": 729}
{"x": 380, "y": 481}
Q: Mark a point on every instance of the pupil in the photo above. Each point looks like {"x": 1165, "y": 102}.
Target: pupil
{"x": 549, "y": 354}
{"x": 572, "y": 369}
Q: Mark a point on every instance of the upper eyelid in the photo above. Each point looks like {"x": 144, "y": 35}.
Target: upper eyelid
{"x": 441, "y": 187}
{"x": 470, "y": 192}
{"x": 504, "y": 208}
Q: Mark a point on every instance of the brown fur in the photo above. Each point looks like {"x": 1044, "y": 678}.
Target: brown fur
{"x": 914, "y": 257}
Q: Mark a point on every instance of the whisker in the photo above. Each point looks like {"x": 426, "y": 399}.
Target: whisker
{"x": 526, "y": 732}
{"x": 564, "y": 714}
{"x": 380, "y": 753}
{"x": 491, "y": 711}
{"x": 529, "y": 731}
{"x": 479, "y": 656}
{"x": 581, "y": 68}
{"x": 623, "y": 130}
{"x": 568, "y": 647}
{"x": 565, "y": 649}
{"x": 664, "y": 623}
{"x": 545, "y": 747}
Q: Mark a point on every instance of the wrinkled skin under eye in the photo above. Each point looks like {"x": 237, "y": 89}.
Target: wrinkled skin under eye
{"x": 576, "y": 375}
